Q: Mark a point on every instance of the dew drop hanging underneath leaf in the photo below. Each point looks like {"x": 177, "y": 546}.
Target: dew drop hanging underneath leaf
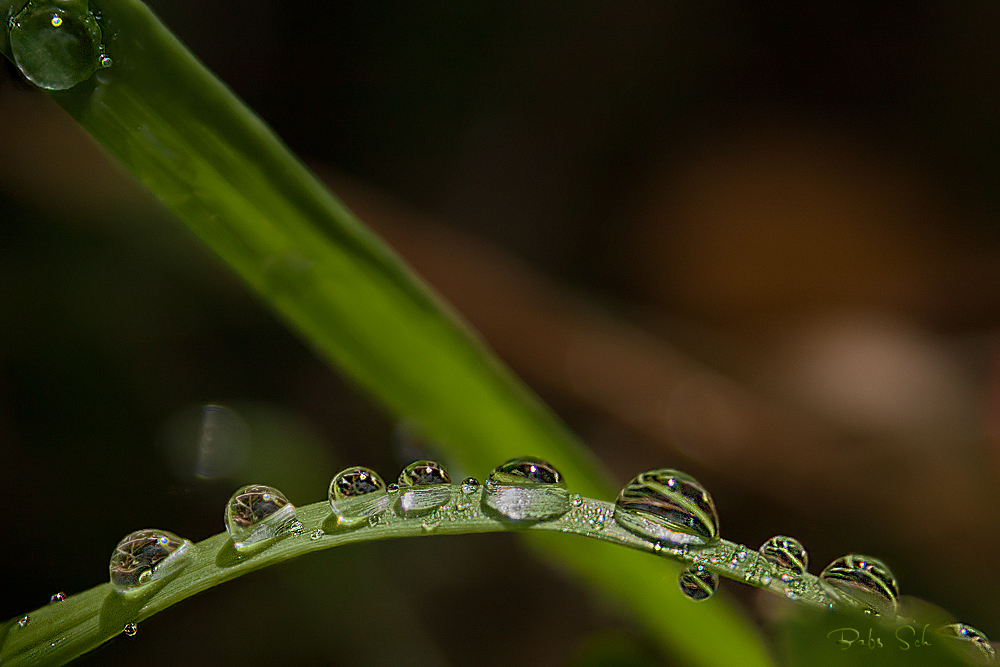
{"x": 56, "y": 43}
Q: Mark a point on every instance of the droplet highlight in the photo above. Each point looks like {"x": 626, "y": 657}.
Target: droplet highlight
{"x": 786, "y": 552}
{"x": 357, "y": 495}
{"x": 526, "y": 489}
{"x": 146, "y": 556}
{"x": 257, "y": 514}
{"x": 866, "y": 580}
{"x": 972, "y": 643}
{"x": 668, "y": 506}
{"x": 57, "y": 597}
{"x": 56, "y": 45}
{"x": 423, "y": 487}
{"x": 698, "y": 583}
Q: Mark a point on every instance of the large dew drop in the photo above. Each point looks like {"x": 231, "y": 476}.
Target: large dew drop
{"x": 786, "y": 552}
{"x": 865, "y": 580}
{"x": 146, "y": 556}
{"x": 698, "y": 583}
{"x": 356, "y": 494}
{"x": 526, "y": 489}
{"x": 256, "y": 514}
{"x": 668, "y": 506}
{"x": 971, "y": 642}
{"x": 424, "y": 486}
{"x": 56, "y": 44}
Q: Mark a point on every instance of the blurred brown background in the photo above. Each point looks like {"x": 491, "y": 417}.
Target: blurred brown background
{"x": 754, "y": 242}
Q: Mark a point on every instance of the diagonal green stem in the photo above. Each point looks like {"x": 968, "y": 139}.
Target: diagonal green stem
{"x": 219, "y": 169}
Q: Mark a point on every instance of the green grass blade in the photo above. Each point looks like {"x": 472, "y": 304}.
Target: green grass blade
{"x": 230, "y": 180}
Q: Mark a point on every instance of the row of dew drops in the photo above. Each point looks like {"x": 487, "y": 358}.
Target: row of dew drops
{"x": 666, "y": 507}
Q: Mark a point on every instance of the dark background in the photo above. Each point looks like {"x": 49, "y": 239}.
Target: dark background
{"x": 800, "y": 198}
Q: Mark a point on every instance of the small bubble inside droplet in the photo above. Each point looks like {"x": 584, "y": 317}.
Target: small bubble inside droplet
{"x": 23, "y": 621}
{"x": 130, "y": 629}
{"x": 57, "y": 597}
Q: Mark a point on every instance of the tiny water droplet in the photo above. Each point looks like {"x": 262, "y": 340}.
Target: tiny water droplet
{"x": 668, "y": 506}
{"x": 23, "y": 621}
{"x": 430, "y": 526}
{"x": 698, "y": 583}
{"x": 357, "y": 495}
{"x": 146, "y": 556}
{"x": 316, "y": 534}
{"x": 57, "y": 597}
{"x": 256, "y": 514}
{"x": 470, "y": 485}
{"x": 56, "y": 45}
{"x": 106, "y": 62}
{"x": 786, "y": 552}
{"x": 526, "y": 489}
{"x": 424, "y": 486}
{"x": 576, "y": 500}
{"x": 865, "y": 580}
{"x": 130, "y": 629}
{"x": 973, "y": 643}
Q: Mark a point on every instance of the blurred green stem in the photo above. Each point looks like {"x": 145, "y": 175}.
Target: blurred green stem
{"x": 219, "y": 169}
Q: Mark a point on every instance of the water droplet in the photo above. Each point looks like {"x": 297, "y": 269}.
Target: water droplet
{"x": 56, "y": 45}
{"x": 576, "y": 500}
{"x": 526, "y": 489}
{"x": 256, "y": 514}
{"x": 57, "y": 597}
{"x": 146, "y": 556}
{"x": 864, "y": 579}
{"x": 973, "y": 643}
{"x": 316, "y": 534}
{"x": 130, "y": 629}
{"x": 23, "y": 621}
{"x": 698, "y": 583}
{"x": 357, "y": 495}
{"x": 668, "y": 506}
{"x": 424, "y": 486}
{"x": 786, "y": 552}
{"x": 470, "y": 485}
{"x": 430, "y": 526}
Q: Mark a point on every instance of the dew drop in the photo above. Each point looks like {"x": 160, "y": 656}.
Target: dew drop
{"x": 973, "y": 643}
{"x": 865, "y": 580}
{"x": 23, "y": 621}
{"x": 526, "y": 489}
{"x": 470, "y": 485}
{"x": 357, "y": 495}
{"x": 146, "y": 556}
{"x": 786, "y": 552}
{"x": 316, "y": 534}
{"x": 256, "y": 514}
{"x": 130, "y": 629}
{"x": 424, "y": 486}
{"x": 576, "y": 500}
{"x": 668, "y": 506}
{"x": 57, "y": 597}
{"x": 55, "y": 45}
{"x": 698, "y": 583}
